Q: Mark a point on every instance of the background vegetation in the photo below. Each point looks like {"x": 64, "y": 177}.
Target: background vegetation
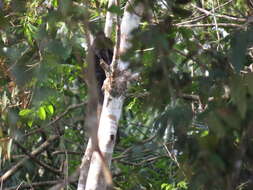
{"x": 187, "y": 123}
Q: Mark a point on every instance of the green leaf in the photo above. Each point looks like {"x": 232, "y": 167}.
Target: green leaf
{"x": 55, "y": 3}
{"x": 204, "y": 133}
{"x": 167, "y": 186}
{"x": 30, "y": 123}
{"x": 182, "y": 184}
{"x": 50, "y": 109}
{"x": 42, "y": 113}
{"x": 24, "y": 112}
{"x": 163, "y": 185}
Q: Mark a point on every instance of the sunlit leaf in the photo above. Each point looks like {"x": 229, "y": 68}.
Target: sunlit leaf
{"x": 182, "y": 184}
{"x": 42, "y": 113}
{"x": 50, "y": 109}
{"x": 25, "y": 112}
{"x": 204, "y": 133}
{"x": 54, "y": 3}
{"x": 30, "y": 123}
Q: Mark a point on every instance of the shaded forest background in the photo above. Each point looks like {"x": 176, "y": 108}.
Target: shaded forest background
{"x": 187, "y": 122}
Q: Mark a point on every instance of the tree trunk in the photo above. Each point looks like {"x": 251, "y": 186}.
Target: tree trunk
{"x": 115, "y": 88}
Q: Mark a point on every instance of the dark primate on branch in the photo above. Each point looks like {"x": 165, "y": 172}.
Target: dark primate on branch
{"x": 103, "y": 50}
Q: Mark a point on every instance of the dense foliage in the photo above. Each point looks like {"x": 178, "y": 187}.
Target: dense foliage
{"x": 187, "y": 122}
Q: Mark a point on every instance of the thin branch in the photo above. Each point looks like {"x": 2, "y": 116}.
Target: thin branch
{"x": 208, "y": 13}
{"x": 35, "y": 184}
{"x": 32, "y": 157}
{"x": 37, "y": 151}
{"x": 171, "y": 155}
{"x": 57, "y": 118}
{"x": 143, "y": 161}
{"x": 71, "y": 179}
{"x": 66, "y": 152}
{"x": 20, "y": 156}
{"x": 215, "y": 21}
{"x": 193, "y": 20}
{"x": 116, "y": 52}
{"x": 210, "y": 25}
{"x": 191, "y": 97}
{"x": 122, "y": 155}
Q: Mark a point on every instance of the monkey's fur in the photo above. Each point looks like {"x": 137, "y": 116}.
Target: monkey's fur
{"x": 103, "y": 50}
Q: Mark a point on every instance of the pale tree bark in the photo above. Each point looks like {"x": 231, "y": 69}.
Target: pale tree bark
{"x": 110, "y": 18}
{"x": 91, "y": 115}
{"x": 84, "y": 168}
{"x": 115, "y": 88}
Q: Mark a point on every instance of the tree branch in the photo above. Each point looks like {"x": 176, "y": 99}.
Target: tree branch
{"x": 35, "y": 184}
{"x": 109, "y": 19}
{"x": 32, "y": 157}
{"x": 37, "y": 151}
{"x": 208, "y": 13}
{"x": 210, "y": 25}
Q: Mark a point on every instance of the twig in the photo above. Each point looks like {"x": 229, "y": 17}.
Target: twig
{"x": 61, "y": 184}
{"x": 191, "y": 97}
{"x": 215, "y": 21}
{"x": 193, "y": 20}
{"x": 58, "y": 117}
{"x": 210, "y": 25}
{"x": 37, "y": 151}
{"x": 143, "y": 161}
{"x": 122, "y": 155}
{"x": 35, "y": 184}
{"x": 172, "y": 156}
{"x": 66, "y": 152}
{"x": 53, "y": 153}
{"x": 208, "y": 13}
{"x": 32, "y": 157}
